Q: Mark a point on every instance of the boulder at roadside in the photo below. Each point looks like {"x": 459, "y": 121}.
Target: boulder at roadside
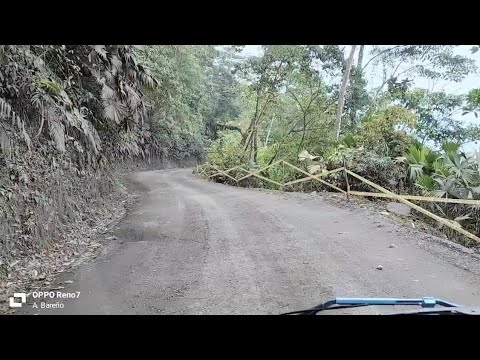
{"x": 398, "y": 208}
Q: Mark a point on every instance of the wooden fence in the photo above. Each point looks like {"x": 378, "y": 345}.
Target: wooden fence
{"x": 384, "y": 193}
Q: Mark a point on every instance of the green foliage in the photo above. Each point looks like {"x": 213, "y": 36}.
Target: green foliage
{"x": 71, "y": 113}
{"x": 451, "y": 174}
{"x": 473, "y": 98}
{"x": 357, "y": 99}
{"x": 265, "y": 154}
{"x": 337, "y": 156}
{"x": 381, "y": 169}
{"x": 280, "y": 174}
{"x": 285, "y": 86}
{"x": 386, "y": 131}
{"x": 473, "y": 106}
{"x": 451, "y": 170}
{"x": 435, "y": 119}
{"x": 74, "y": 95}
{"x": 197, "y": 93}
{"x": 349, "y": 141}
{"x": 431, "y": 61}
{"x": 425, "y": 182}
{"x": 461, "y": 167}
{"x": 450, "y": 147}
{"x": 289, "y": 95}
{"x": 50, "y": 85}
{"x": 226, "y": 152}
{"x": 418, "y": 160}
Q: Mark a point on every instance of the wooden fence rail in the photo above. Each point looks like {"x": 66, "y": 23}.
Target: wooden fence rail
{"x": 384, "y": 193}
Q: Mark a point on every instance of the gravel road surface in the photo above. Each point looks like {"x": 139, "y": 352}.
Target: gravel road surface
{"x": 189, "y": 246}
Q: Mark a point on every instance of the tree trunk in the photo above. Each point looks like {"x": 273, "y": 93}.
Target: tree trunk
{"x": 252, "y": 123}
{"x": 343, "y": 88}
{"x": 303, "y": 132}
{"x": 269, "y": 130}
{"x": 360, "y": 57}
{"x": 255, "y": 145}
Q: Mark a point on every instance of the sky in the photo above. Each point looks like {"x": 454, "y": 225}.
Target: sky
{"x": 374, "y": 75}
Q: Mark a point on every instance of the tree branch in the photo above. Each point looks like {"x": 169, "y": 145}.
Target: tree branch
{"x": 386, "y": 80}
{"x": 380, "y": 53}
{"x": 228, "y": 127}
{"x": 296, "y": 99}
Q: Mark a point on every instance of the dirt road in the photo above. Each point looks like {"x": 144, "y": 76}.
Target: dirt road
{"x": 194, "y": 247}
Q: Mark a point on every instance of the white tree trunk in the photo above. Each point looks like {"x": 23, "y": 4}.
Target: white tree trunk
{"x": 360, "y": 57}
{"x": 269, "y": 130}
{"x": 343, "y": 88}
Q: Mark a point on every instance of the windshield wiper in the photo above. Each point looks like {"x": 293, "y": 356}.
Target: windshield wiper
{"x": 329, "y": 305}
{"x": 461, "y": 310}
{"x": 342, "y": 303}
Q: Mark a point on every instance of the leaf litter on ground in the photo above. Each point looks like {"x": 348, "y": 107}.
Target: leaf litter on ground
{"x": 28, "y": 274}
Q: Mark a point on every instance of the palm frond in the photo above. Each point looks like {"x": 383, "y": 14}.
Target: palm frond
{"x": 78, "y": 119}
{"x": 114, "y": 110}
{"x": 37, "y": 100}
{"x": 461, "y": 218}
{"x": 439, "y": 193}
{"x": 108, "y": 93}
{"x": 439, "y": 208}
{"x": 109, "y": 76}
{"x": 450, "y": 147}
{"x": 116, "y": 63}
{"x": 306, "y": 155}
{"x": 148, "y": 79}
{"x": 425, "y": 182}
{"x": 416, "y": 170}
{"x": 101, "y": 51}
{"x": 416, "y": 155}
{"x": 134, "y": 100}
{"x": 96, "y": 75}
{"x": 461, "y": 167}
